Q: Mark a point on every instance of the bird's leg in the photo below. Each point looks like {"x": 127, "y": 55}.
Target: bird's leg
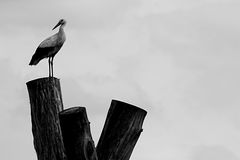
{"x": 52, "y": 66}
{"x": 49, "y": 66}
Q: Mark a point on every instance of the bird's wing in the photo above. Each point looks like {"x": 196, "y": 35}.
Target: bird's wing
{"x": 49, "y": 42}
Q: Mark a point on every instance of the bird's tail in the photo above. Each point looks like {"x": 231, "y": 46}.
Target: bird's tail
{"x": 34, "y": 61}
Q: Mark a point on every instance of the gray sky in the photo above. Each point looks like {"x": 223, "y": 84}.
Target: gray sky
{"x": 179, "y": 60}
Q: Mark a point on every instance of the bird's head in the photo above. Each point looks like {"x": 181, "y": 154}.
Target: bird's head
{"x": 61, "y": 22}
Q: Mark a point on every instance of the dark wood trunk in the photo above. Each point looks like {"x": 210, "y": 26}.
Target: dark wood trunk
{"x": 77, "y": 135}
{"x": 46, "y": 103}
{"x": 121, "y": 131}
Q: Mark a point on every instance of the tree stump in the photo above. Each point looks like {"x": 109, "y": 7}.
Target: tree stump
{"x": 76, "y": 134}
{"x": 121, "y": 131}
{"x": 46, "y": 103}
{"x": 65, "y": 134}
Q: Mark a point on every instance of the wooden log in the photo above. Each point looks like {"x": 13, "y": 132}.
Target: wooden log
{"x": 121, "y": 131}
{"x": 46, "y": 103}
{"x": 77, "y": 135}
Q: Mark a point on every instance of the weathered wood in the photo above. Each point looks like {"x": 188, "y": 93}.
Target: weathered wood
{"x": 121, "y": 131}
{"x": 46, "y": 103}
{"x": 77, "y": 135}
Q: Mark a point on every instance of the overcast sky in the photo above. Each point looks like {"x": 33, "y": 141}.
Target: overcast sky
{"x": 179, "y": 60}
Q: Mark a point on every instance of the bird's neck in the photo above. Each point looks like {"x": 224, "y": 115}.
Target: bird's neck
{"x": 61, "y": 29}
{"x": 61, "y": 34}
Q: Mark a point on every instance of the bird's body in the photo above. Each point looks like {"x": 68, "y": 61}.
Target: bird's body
{"x": 50, "y": 47}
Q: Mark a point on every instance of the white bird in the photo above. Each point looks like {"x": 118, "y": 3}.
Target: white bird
{"x": 50, "y": 47}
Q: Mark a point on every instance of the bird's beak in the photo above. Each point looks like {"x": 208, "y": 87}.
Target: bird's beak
{"x": 56, "y": 26}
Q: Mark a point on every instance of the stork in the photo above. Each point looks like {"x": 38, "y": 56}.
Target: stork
{"x": 50, "y": 47}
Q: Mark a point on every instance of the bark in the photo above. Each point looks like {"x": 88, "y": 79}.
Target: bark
{"x": 46, "y": 103}
{"x": 77, "y": 135}
{"x": 121, "y": 131}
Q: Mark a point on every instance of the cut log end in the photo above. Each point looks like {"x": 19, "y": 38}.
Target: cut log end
{"x": 128, "y": 106}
